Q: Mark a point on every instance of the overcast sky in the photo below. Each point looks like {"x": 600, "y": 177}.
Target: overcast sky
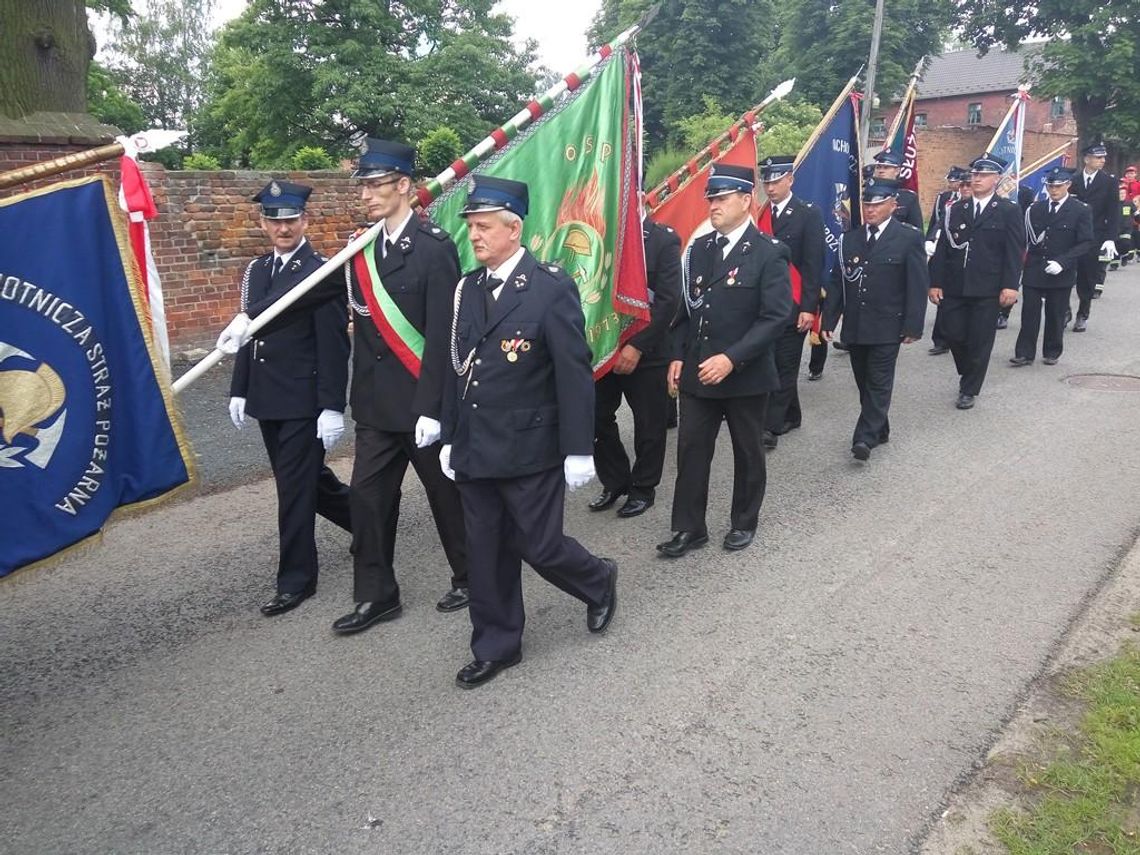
{"x": 558, "y": 27}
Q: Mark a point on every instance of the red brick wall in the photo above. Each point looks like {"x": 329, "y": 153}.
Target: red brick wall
{"x": 954, "y": 112}
{"x": 15, "y": 156}
{"x": 207, "y": 231}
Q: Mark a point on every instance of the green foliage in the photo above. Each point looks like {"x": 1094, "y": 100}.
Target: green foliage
{"x": 663, "y": 164}
{"x": 1093, "y": 56}
{"x": 694, "y": 49}
{"x": 437, "y": 151}
{"x": 787, "y": 126}
{"x": 200, "y": 161}
{"x": 311, "y": 157}
{"x": 1086, "y": 801}
{"x": 697, "y": 130}
{"x": 107, "y": 102}
{"x": 169, "y": 157}
{"x": 121, "y": 9}
{"x": 824, "y": 42}
{"x": 289, "y": 73}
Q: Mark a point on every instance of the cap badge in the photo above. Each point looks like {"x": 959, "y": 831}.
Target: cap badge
{"x": 274, "y": 189}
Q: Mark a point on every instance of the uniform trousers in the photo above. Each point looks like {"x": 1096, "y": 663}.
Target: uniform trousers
{"x": 784, "y": 403}
{"x": 382, "y": 459}
{"x": 1090, "y": 274}
{"x": 696, "y": 443}
{"x": 970, "y": 329}
{"x": 818, "y": 357}
{"x": 874, "y": 368}
{"x": 305, "y": 488}
{"x": 645, "y": 390}
{"x": 1056, "y": 305}
{"x": 510, "y": 521}
{"x": 938, "y": 333}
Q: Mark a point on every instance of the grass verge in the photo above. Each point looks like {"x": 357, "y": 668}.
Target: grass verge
{"x": 1087, "y": 798}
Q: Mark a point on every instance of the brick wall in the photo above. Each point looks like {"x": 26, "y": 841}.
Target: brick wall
{"x": 953, "y": 112}
{"x": 17, "y": 155}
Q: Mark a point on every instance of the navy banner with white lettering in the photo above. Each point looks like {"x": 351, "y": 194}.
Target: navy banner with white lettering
{"x": 86, "y": 426}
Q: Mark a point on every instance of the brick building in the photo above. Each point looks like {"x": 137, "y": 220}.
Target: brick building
{"x": 962, "y": 90}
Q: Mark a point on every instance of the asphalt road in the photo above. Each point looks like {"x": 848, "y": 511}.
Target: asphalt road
{"x": 818, "y": 693}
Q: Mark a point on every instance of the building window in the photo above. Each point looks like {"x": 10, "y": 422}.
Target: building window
{"x": 878, "y": 127}
{"x": 920, "y": 120}
{"x": 974, "y": 113}
{"x": 1057, "y": 107}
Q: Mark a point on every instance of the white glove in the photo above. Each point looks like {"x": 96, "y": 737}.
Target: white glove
{"x": 235, "y": 335}
{"x": 330, "y": 428}
{"x": 929, "y": 248}
{"x": 427, "y": 431}
{"x": 445, "y": 462}
{"x": 1108, "y": 249}
{"x": 579, "y": 469}
{"x": 1053, "y": 268}
{"x": 237, "y": 412}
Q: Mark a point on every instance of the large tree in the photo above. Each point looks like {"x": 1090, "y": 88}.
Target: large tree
{"x": 1093, "y": 57}
{"x": 45, "y": 49}
{"x": 289, "y": 73}
{"x": 824, "y": 42}
{"x": 693, "y": 49}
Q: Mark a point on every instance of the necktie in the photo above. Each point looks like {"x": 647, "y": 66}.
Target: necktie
{"x": 389, "y": 248}
{"x": 872, "y": 237}
{"x": 722, "y": 244}
{"x": 491, "y": 284}
{"x": 277, "y": 265}
{"x": 977, "y": 210}
{"x": 1052, "y": 208}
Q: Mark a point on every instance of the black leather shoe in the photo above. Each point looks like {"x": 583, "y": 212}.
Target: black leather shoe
{"x": 453, "y": 600}
{"x": 861, "y": 451}
{"x": 789, "y": 426}
{"x": 681, "y": 543}
{"x": 1020, "y": 361}
{"x": 606, "y": 499}
{"x": 838, "y": 345}
{"x": 938, "y": 350}
{"x": 1050, "y": 360}
{"x": 1080, "y": 324}
{"x": 770, "y": 440}
{"x": 738, "y": 538}
{"x": 884, "y": 438}
{"x": 1002, "y": 323}
{"x": 283, "y": 602}
{"x": 964, "y": 402}
{"x": 365, "y": 615}
{"x": 815, "y": 375}
{"x": 634, "y": 507}
{"x": 598, "y": 617}
{"x": 477, "y": 673}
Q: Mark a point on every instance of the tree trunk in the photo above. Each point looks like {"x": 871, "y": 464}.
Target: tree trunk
{"x": 1086, "y": 110}
{"x": 45, "y": 51}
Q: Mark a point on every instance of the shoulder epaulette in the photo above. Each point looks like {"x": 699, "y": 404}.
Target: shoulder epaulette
{"x": 434, "y": 230}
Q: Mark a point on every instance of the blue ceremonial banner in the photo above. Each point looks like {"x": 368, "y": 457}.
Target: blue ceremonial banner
{"x": 827, "y": 175}
{"x": 1006, "y": 144}
{"x": 1035, "y": 180}
{"x": 86, "y": 426}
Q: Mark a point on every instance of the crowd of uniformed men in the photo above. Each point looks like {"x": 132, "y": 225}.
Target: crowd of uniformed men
{"x": 482, "y": 382}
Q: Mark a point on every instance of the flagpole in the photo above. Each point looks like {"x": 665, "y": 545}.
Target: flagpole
{"x": 713, "y": 147}
{"x": 1020, "y": 96}
{"x": 1041, "y": 161}
{"x": 497, "y": 139}
{"x": 908, "y": 97}
{"x": 827, "y": 117}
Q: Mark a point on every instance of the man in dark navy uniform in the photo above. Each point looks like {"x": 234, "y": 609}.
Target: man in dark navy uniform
{"x": 518, "y": 429}
{"x": 880, "y": 290}
{"x": 955, "y": 178}
{"x": 1059, "y": 233}
{"x": 1099, "y": 190}
{"x": 738, "y": 299}
{"x": 292, "y": 380}
{"x": 975, "y": 270}
{"x": 798, "y": 225}
{"x": 639, "y": 375}
{"x": 888, "y": 164}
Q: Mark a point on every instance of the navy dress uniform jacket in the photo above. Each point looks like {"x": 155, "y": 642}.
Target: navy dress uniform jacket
{"x": 800, "y": 229}
{"x": 1102, "y": 197}
{"x": 991, "y": 260}
{"x": 663, "y": 273}
{"x": 419, "y": 273}
{"x": 737, "y": 306}
{"x": 938, "y": 215}
{"x": 1064, "y": 238}
{"x": 881, "y": 295}
{"x": 298, "y": 365}
{"x": 908, "y": 209}
{"x": 526, "y": 400}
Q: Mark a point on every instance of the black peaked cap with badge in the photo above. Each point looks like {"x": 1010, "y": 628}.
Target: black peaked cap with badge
{"x": 725, "y": 178}
{"x": 496, "y": 194}
{"x": 282, "y": 200}
{"x": 385, "y": 157}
